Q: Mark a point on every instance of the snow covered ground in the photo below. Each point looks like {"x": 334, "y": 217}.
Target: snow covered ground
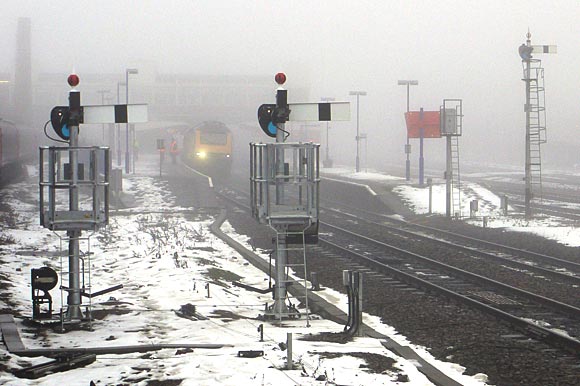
{"x": 165, "y": 261}
{"x": 417, "y": 199}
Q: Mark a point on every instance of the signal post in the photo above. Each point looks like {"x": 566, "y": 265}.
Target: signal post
{"x": 284, "y": 183}
{"x": 66, "y": 171}
{"x": 74, "y": 291}
{"x": 535, "y": 117}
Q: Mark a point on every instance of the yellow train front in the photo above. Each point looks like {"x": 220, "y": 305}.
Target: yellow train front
{"x": 208, "y": 148}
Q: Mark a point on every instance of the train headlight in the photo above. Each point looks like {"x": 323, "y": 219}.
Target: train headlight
{"x": 201, "y": 154}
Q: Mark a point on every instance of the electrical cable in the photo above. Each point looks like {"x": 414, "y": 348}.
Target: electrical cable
{"x": 270, "y": 270}
{"x": 350, "y": 311}
{"x": 51, "y": 138}
{"x": 286, "y": 133}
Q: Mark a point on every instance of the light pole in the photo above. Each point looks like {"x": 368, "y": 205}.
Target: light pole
{"x": 127, "y": 160}
{"x": 119, "y": 84}
{"x": 408, "y": 83}
{"x": 363, "y": 136}
{"x": 4, "y": 103}
{"x": 4, "y": 95}
{"x": 103, "y": 92}
{"x": 327, "y": 161}
{"x": 358, "y": 94}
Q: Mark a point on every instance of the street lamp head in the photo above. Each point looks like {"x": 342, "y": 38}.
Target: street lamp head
{"x": 357, "y": 93}
{"x": 408, "y": 82}
{"x": 132, "y": 71}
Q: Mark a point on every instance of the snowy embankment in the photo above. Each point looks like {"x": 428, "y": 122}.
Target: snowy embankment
{"x": 489, "y": 205}
{"x": 166, "y": 261}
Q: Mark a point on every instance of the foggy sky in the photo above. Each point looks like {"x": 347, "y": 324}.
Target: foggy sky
{"x": 455, "y": 49}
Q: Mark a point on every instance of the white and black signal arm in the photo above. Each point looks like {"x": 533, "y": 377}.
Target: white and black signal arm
{"x": 60, "y": 116}
{"x": 526, "y": 50}
{"x": 271, "y": 114}
{"x": 63, "y": 117}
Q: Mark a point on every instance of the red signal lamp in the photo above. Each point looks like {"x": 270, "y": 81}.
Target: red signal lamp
{"x": 73, "y": 80}
{"x": 280, "y": 78}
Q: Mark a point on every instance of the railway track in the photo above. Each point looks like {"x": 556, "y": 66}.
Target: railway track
{"x": 559, "y": 198}
{"x": 526, "y": 311}
{"x": 516, "y": 352}
{"x": 564, "y": 194}
{"x": 563, "y": 269}
{"x": 551, "y": 210}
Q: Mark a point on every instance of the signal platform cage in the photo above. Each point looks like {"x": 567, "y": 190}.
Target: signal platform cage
{"x": 451, "y": 117}
{"x": 284, "y": 188}
{"x": 90, "y": 209}
{"x": 451, "y": 125}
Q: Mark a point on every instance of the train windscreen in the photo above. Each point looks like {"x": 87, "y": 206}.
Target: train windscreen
{"x": 213, "y": 138}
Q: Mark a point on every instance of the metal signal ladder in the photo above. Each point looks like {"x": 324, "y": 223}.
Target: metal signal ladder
{"x": 537, "y": 124}
{"x": 296, "y": 255}
{"x": 455, "y": 177}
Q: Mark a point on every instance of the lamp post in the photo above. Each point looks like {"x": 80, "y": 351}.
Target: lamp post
{"x": 2, "y": 124}
{"x": 103, "y": 92}
{"x": 363, "y": 136}
{"x": 2, "y": 103}
{"x": 327, "y": 161}
{"x": 408, "y": 83}
{"x": 358, "y": 94}
{"x": 127, "y": 160}
{"x": 119, "y": 84}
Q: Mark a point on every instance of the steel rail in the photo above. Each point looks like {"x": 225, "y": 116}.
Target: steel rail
{"x": 538, "y": 332}
{"x": 570, "y": 214}
{"x": 530, "y": 267}
{"x": 565, "y": 263}
{"x": 529, "y": 328}
{"x": 554, "y": 304}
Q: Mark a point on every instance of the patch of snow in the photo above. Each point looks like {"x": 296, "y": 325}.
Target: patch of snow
{"x": 165, "y": 261}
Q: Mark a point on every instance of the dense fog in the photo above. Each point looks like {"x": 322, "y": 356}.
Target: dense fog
{"x": 455, "y": 49}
